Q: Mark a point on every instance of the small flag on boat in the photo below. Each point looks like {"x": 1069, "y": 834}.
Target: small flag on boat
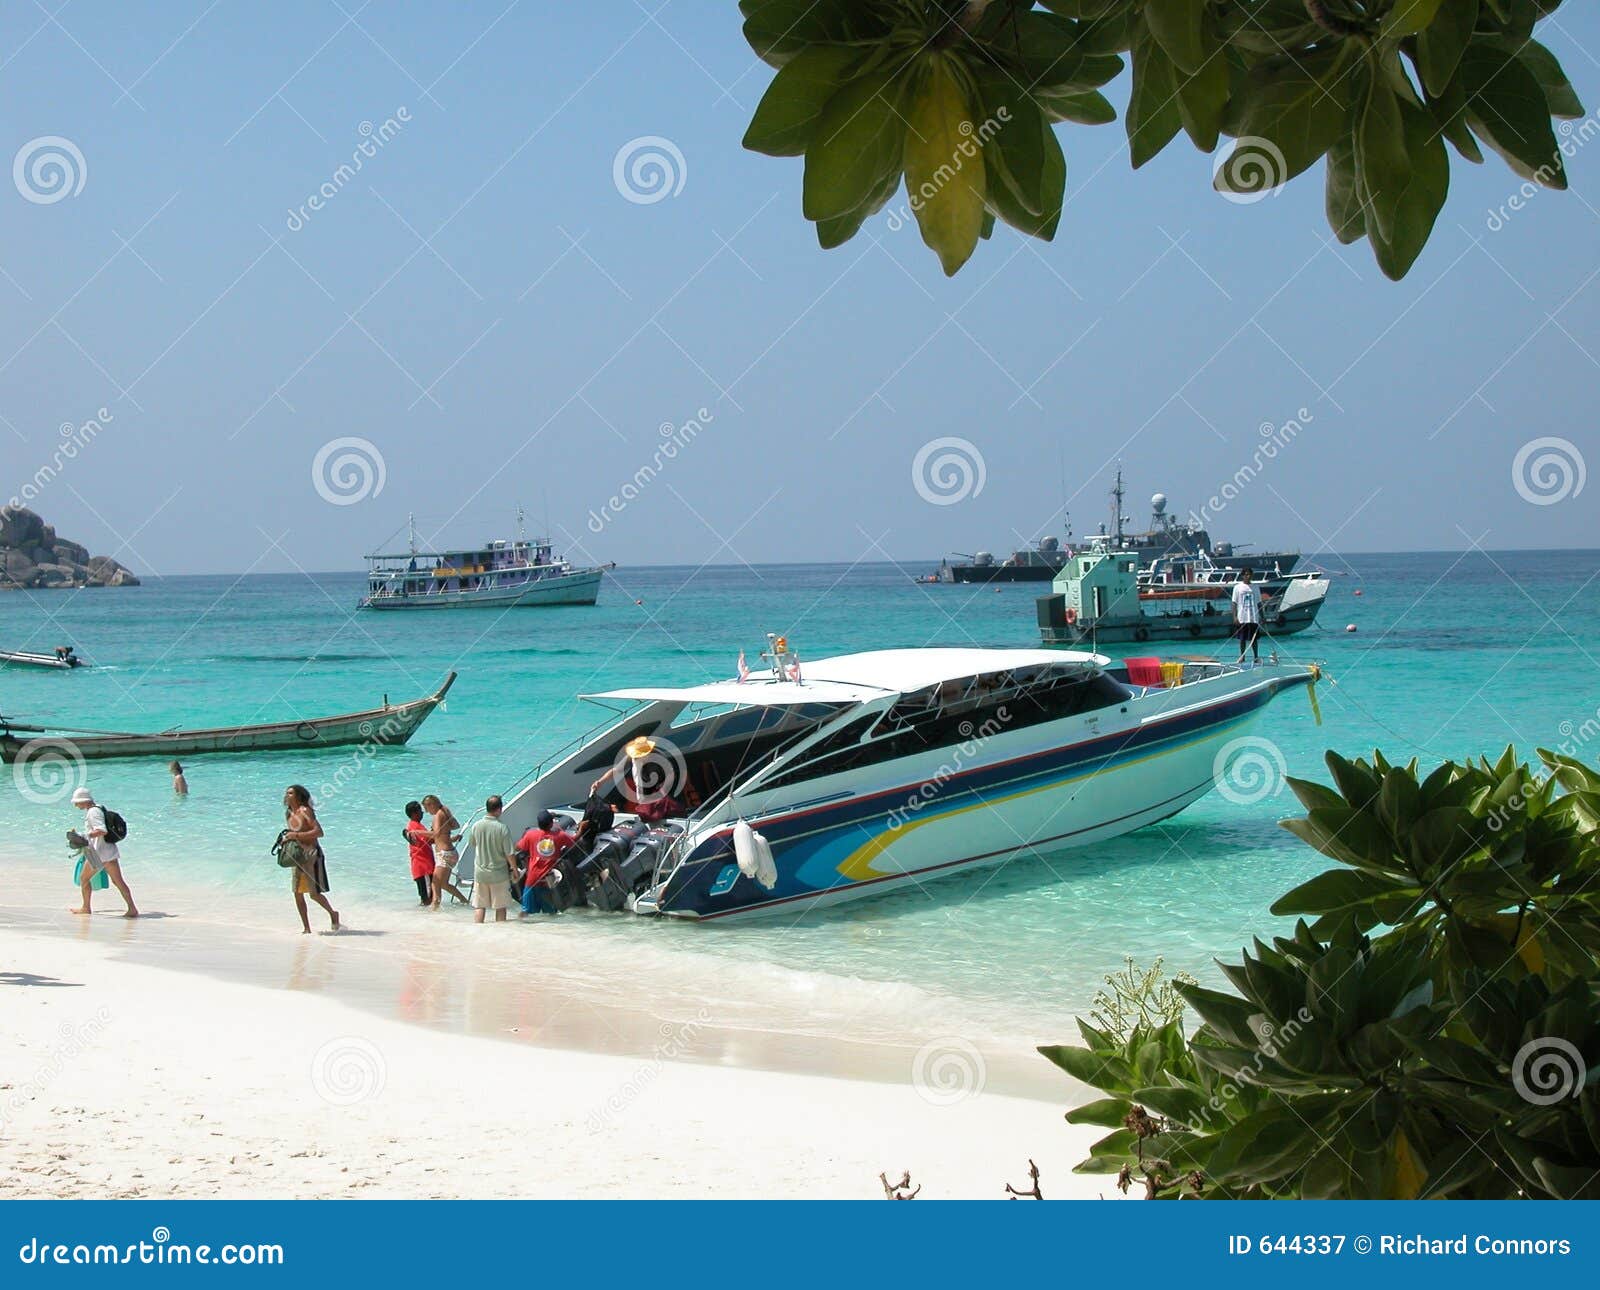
{"x": 744, "y": 672}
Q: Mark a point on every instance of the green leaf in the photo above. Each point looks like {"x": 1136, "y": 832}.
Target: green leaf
{"x": 1339, "y": 889}
{"x": 1346, "y": 216}
{"x": 1298, "y": 103}
{"x": 1408, "y": 17}
{"x": 1450, "y": 114}
{"x": 1384, "y": 167}
{"x": 1561, "y": 98}
{"x": 1087, "y": 108}
{"x": 858, "y": 141}
{"x": 1153, "y": 113}
{"x": 1507, "y": 109}
{"x": 1097, "y": 1070}
{"x": 787, "y": 115}
{"x": 1440, "y": 46}
{"x": 841, "y": 228}
{"x": 779, "y": 29}
{"x": 1054, "y": 55}
{"x": 1179, "y": 27}
{"x": 1203, "y": 100}
{"x": 944, "y": 165}
{"x": 1105, "y": 1112}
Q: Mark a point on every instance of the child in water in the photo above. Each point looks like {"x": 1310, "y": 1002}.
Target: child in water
{"x": 180, "y": 785}
{"x": 421, "y": 841}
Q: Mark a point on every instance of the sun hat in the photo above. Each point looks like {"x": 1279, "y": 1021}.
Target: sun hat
{"x": 81, "y": 797}
{"x": 643, "y": 746}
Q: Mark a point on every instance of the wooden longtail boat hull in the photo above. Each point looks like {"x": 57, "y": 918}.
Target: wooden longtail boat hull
{"x": 392, "y": 724}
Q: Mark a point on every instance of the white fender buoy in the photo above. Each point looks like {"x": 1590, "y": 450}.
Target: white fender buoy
{"x": 744, "y": 849}
{"x": 766, "y": 867}
{"x": 1349, "y": 627}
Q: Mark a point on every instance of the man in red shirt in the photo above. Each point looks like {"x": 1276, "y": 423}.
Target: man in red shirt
{"x": 544, "y": 845}
{"x": 421, "y": 842}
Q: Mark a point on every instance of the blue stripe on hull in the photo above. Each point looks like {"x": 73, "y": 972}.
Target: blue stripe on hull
{"x": 810, "y": 844}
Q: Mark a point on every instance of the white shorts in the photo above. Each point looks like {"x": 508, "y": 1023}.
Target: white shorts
{"x": 491, "y": 895}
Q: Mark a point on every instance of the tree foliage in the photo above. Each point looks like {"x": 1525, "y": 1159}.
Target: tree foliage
{"x": 961, "y": 97}
{"x": 1433, "y": 1031}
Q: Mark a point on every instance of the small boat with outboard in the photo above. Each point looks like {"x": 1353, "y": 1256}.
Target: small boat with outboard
{"x": 500, "y": 574}
{"x": 391, "y": 724}
{"x": 873, "y": 772}
{"x": 1099, "y": 598}
{"x": 63, "y": 658}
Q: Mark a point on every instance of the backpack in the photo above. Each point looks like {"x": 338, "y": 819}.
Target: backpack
{"x": 116, "y": 826}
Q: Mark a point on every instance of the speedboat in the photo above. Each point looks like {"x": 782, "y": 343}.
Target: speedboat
{"x": 872, "y": 772}
{"x": 63, "y": 658}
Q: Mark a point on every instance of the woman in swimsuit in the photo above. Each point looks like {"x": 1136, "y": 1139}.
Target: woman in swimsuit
{"x": 446, "y": 833}
{"x": 311, "y": 879}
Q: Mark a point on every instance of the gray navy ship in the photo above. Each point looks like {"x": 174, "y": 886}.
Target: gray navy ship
{"x": 1166, "y": 536}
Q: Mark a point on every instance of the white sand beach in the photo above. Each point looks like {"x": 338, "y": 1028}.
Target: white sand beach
{"x": 124, "y": 1077}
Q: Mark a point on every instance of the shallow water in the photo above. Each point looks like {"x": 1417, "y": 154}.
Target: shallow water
{"x": 1455, "y": 655}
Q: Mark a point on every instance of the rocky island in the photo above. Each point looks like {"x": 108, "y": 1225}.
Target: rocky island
{"x": 31, "y": 555}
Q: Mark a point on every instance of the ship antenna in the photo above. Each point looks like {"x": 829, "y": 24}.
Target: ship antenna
{"x": 522, "y": 529}
{"x": 411, "y": 532}
{"x": 1117, "y": 494}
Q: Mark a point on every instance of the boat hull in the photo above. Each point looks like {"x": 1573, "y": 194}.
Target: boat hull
{"x": 21, "y": 658}
{"x": 387, "y": 726}
{"x": 580, "y": 588}
{"x": 1049, "y": 799}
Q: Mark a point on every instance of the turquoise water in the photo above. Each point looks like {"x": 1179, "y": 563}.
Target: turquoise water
{"x": 1455, "y": 655}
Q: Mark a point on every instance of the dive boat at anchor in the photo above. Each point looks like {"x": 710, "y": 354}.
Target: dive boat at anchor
{"x": 63, "y": 658}
{"x": 500, "y": 574}
{"x": 876, "y": 771}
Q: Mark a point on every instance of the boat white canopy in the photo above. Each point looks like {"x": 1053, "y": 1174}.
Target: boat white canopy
{"x": 864, "y": 677}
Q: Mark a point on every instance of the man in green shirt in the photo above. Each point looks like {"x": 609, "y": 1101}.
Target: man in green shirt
{"x": 491, "y": 858}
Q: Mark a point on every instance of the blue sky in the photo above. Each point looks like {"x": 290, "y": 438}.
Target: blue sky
{"x": 483, "y": 305}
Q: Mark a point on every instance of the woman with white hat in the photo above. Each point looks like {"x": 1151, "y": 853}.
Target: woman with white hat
{"x": 101, "y": 853}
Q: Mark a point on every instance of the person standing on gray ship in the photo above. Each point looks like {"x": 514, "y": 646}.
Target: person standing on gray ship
{"x": 1247, "y": 615}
